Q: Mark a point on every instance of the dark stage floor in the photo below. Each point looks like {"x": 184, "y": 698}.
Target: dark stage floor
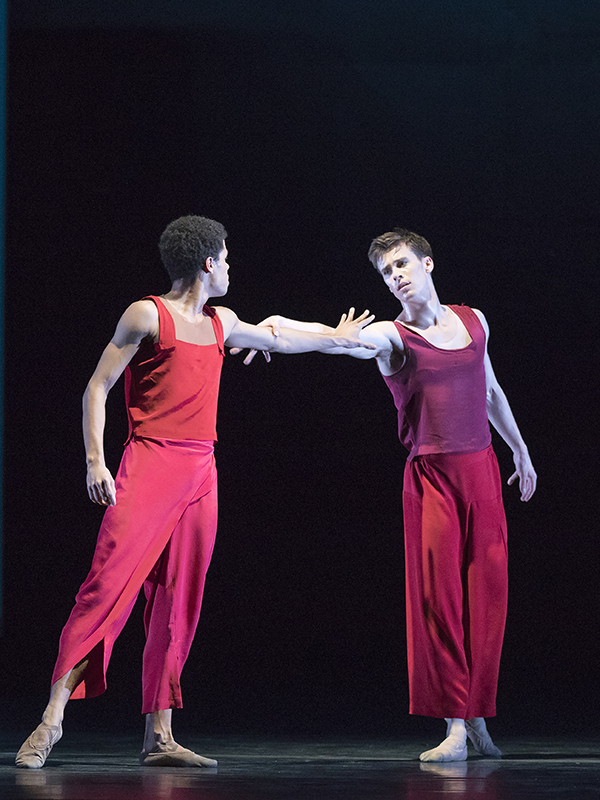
{"x": 88, "y": 768}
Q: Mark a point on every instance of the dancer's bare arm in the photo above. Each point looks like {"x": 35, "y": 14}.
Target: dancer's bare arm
{"x": 388, "y": 346}
{"x": 139, "y": 321}
{"x": 502, "y": 418}
{"x": 282, "y": 339}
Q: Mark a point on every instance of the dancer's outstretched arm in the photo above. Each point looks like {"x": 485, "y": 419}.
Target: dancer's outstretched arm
{"x": 376, "y": 338}
{"x": 279, "y": 338}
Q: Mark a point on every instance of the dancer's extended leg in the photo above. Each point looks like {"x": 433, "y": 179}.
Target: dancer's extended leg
{"x": 161, "y": 749}
{"x": 454, "y": 746}
{"x": 36, "y": 748}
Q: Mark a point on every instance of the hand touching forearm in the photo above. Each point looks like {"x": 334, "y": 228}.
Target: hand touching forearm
{"x": 277, "y": 321}
{"x": 345, "y": 336}
{"x": 301, "y": 337}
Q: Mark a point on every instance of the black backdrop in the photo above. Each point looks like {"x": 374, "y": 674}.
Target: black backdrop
{"x": 307, "y": 130}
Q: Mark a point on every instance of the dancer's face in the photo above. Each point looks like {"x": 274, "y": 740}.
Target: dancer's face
{"x": 405, "y": 274}
{"x": 220, "y": 274}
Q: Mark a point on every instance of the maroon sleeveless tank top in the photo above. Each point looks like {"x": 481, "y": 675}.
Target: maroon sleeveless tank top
{"x": 171, "y": 386}
{"x": 441, "y": 394}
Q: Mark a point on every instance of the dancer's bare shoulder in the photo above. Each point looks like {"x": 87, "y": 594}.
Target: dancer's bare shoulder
{"x": 390, "y": 347}
{"x": 138, "y": 321}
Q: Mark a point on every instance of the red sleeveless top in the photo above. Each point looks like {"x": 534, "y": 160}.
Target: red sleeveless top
{"x": 441, "y": 394}
{"x": 171, "y": 386}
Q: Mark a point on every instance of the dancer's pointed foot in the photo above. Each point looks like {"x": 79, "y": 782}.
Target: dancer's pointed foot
{"x": 35, "y": 749}
{"x": 480, "y": 738}
{"x": 171, "y": 754}
{"x": 453, "y": 748}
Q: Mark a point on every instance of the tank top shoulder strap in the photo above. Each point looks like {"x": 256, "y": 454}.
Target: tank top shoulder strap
{"x": 471, "y": 321}
{"x": 217, "y": 327}
{"x": 166, "y": 334}
{"x": 405, "y": 333}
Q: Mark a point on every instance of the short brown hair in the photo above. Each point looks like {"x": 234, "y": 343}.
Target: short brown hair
{"x": 399, "y": 236}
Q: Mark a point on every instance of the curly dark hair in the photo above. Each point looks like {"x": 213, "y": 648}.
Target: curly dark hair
{"x": 187, "y": 242}
{"x": 399, "y": 236}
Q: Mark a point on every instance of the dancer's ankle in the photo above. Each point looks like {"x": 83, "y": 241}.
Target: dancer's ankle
{"x": 455, "y": 728}
{"x": 53, "y": 715}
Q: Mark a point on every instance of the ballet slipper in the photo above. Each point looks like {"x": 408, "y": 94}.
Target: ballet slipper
{"x": 36, "y": 748}
{"x": 171, "y": 754}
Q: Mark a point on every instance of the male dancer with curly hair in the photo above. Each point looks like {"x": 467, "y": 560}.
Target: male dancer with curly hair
{"x": 435, "y": 362}
{"x": 159, "y": 527}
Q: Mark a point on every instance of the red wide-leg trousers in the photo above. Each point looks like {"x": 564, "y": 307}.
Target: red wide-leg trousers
{"x": 159, "y": 535}
{"x": 456, "y": 583}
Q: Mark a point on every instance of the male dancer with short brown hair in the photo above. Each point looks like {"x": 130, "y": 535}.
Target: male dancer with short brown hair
{"x": 435, "y": 362}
